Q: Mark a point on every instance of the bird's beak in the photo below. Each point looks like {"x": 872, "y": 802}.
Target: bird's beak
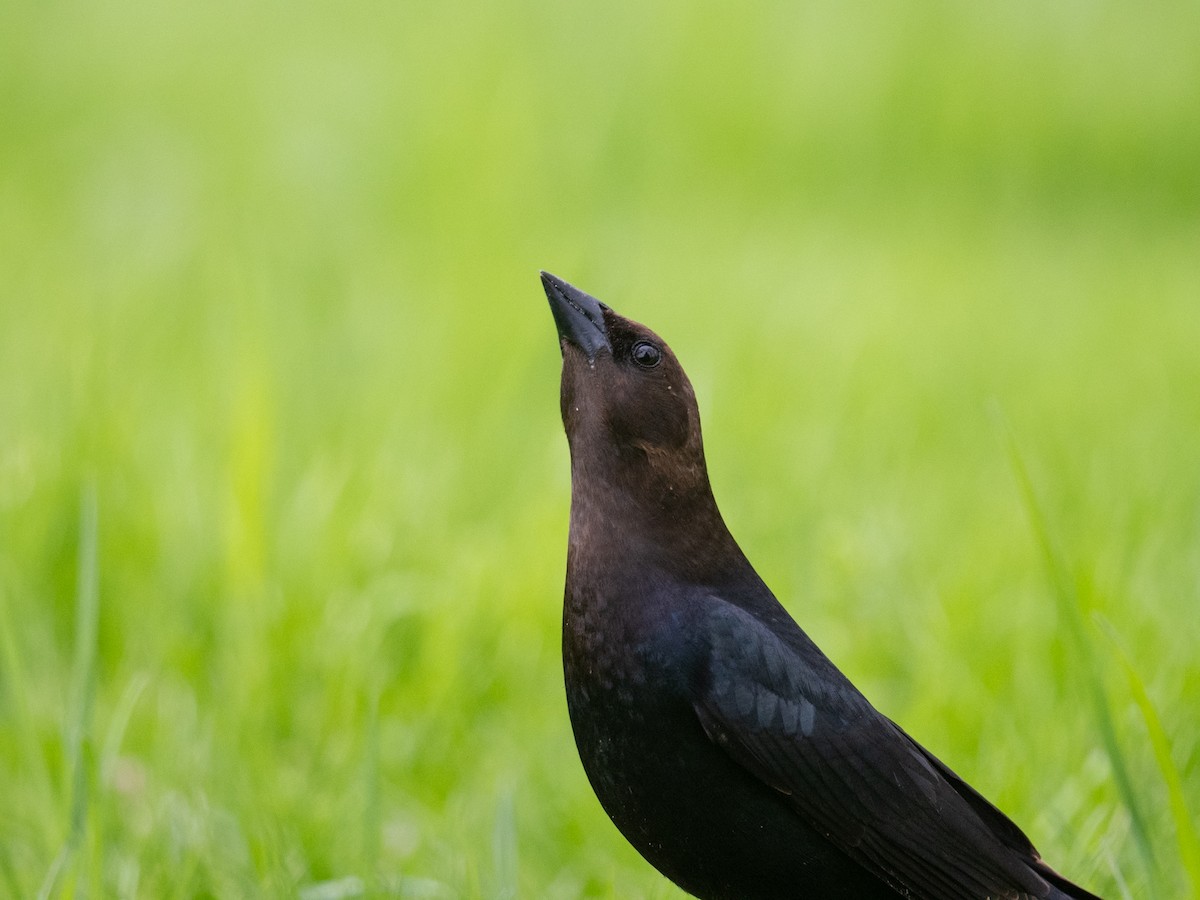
{"x": 579, "y": 316}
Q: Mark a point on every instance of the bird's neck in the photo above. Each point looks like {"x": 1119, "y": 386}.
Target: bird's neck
{"x": 634, "y": 513}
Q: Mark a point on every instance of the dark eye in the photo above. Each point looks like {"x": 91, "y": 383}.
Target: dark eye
{"x": 646, "y": 355}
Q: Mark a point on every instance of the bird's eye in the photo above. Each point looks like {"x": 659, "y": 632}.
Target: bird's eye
{"x": 646, "y": 355}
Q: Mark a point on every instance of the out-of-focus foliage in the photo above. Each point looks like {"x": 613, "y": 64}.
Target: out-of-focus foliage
{"x": 283, "y": 491}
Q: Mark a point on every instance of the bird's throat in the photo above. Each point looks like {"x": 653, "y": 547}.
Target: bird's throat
{"x": 653, "y": 526}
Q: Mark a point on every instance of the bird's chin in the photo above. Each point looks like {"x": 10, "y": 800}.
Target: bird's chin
{"x": 575, "y": 357}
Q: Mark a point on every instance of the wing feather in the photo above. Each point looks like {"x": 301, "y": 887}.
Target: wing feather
{"x": 787, "y": 715}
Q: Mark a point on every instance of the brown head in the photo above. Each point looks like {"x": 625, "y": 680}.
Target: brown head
{"x": 637, "y": 458}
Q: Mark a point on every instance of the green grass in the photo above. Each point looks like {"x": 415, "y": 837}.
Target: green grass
{"x": 283, "y": 490}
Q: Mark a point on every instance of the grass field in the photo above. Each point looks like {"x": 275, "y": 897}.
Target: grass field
{"x": 283, "y": 488}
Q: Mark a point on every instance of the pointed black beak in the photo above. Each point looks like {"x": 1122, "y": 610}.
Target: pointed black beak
{"x": 579, "y": 316}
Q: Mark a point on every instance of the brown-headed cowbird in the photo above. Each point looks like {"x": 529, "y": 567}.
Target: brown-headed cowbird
{"x": 722, "y": 742}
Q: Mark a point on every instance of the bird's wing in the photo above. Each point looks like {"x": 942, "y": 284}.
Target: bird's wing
{"x": 1002, "y": 826}
{"x": 784, "y": 712}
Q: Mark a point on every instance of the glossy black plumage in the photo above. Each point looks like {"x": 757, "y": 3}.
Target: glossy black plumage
{"x": 720, "y": 740}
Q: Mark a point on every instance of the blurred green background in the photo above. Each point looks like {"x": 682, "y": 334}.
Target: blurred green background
{"x": 283, "y": 488}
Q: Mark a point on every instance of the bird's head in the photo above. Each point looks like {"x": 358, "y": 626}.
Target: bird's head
{"x": 626, "y": 402}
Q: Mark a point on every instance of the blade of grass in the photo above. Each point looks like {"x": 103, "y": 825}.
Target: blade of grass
{"x": 1066, "y": 594}
{"x": 83, "y": 671}
{"x": 372, "y": 808}
{"x": 83, "y": 688}
{"x": 119, "y": 723}
{"x": 504, "y": 848}
{"x": 1185, "y": 829}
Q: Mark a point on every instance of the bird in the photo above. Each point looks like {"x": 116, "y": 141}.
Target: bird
{"x": 720, "y": 740}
